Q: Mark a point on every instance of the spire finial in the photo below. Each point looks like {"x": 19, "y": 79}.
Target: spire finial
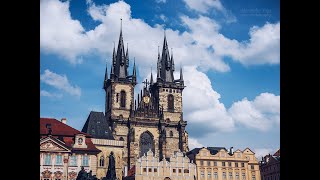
{"x": 121, "y": 24}
{"x": 151, "y": 78}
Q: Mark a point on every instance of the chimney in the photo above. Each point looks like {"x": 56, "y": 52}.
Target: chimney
{"x": 48, "y": 126}
{"x": 64, "y": 120}
{"x": 231, "y": 150}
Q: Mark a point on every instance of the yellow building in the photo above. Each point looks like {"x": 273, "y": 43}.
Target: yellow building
{"x": 177, "y": 167}
{"x": 107, "y": 146}
{"x": 216, "y": 163}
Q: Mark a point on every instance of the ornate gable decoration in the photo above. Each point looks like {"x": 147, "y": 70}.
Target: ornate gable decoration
{"x": 50, "y": 144}
{"x": 80, "y": 141}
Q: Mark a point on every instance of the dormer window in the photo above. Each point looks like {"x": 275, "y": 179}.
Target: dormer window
{"x": 80, "y": 141}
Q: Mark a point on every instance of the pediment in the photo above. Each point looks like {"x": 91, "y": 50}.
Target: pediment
{"x": 52, "y": 144}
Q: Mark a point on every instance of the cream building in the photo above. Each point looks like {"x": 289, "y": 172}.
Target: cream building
{"x": 64, "y": 150}
{"x": 177, "y": 167}
{"x": 106, "y": 146}
{"x": 216, "y": 163}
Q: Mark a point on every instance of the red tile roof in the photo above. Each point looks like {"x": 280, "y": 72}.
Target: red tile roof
{"x": 65, "y": 133}
{"x": 58, "y": 128}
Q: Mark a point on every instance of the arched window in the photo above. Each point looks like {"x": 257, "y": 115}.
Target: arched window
{"x": 108, "y": 101}
{"x": 146, "y": 143}
{"x": 170, "y": 102}
{"x": 123, "y": 99}
{"x": 121, "y": 139}
{"x": 101, "y": 161}
{"x": 171, "y": 134}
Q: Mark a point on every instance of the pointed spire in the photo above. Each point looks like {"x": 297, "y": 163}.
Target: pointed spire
{"x": 172, "y": 61}
{"x": 127, "y": 56}
{"x": 151, "y": 78}
{"x": 105, "y": 77}
{"x": 112, "y": 73}
{"x": 114, "y": 55}
{"x": 181, "y": 75}
{"x": 134, "y": 73}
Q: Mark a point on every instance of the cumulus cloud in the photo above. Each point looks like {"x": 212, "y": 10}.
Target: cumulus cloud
{"x": 48, "y": 94}
{"x": 163, "y": 17}
{"x": 194, "y": 143}
{"x": 60, "y": 82}
{"x": 204, "y": 7}
{"x": 161, "y": 1}
{"x": 261, "y": 113}
{"x": 202, "y": 108}
{"x": 203, "y": 46}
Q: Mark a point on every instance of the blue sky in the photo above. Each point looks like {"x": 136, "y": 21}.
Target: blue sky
{"x": 229, "y": 51}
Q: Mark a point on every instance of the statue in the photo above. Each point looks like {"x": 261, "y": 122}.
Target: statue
{"x": 111, "y": 173}
{"x": 82, "y": 175}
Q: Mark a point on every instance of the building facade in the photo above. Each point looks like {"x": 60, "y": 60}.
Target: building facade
{"x": 153, "y": 120}
{"x": 64, "y": 150}
{"x": 270, "y": 166}
{"x": 177, "y": 167}
{"x": 216, "y": 163}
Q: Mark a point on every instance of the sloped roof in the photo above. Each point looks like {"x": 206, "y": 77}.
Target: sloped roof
{"x": 58, "y": 128}
{"x": 277, "y": 153}
{"x": 64, "y": 133}
{"x": 213, "y": 150}
{"x": 97, "y": 126}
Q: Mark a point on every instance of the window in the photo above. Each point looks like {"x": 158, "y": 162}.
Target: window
{"x": 215, "y": 163}
{"x": 253, "y": 177}
{"x": 236, "y": 164}
{"x": 85, "y": 160}
{"x": 209, "y": 174}
{"x": 123, "y": 99}
{"x": 180, "y": 170}
{"x": 201, "y": 163}
{"x": 230, "y": 175}
{"x": 170, "y": 102}
{"x": 47, "y": 159}
{"x": 186, "y": 170}
{"x": 144, "y": 169}
{"x": 101, "y": 162}
{"x": 146, "y": 143}
{"x": 202, "y": 174}
{"x": 150, "y": 169}
{"x": 93, "y": 131}
{"x": 223, "y": 163}
{"x": 73, "y": 161}
{"x": 237, "y": 175}
{"x": 171, "y": 134}
{"x": 224, "y": 175}
{"x": 215, "y": 175}
{"x": 252, "y": 166}
{"x": 117, "y": 97}
{"x": 229, "y": 164}
{"x": 243, "y": 176}
{"x": 59, "y": 160}
{"x": 173, "y": 170}
{"x": 155, "y": 170}
{"x": 208, "y": 162}
{"x": 242, "y": 164}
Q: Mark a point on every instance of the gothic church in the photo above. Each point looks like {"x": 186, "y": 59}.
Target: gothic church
{"x": 153, "y": 120}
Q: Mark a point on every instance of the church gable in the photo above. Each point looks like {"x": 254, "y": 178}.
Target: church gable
{"x": 52, "y": 144}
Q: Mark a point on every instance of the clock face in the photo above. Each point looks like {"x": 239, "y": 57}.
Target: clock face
{"x": 80, "y": 140}
{"x": 146, "y": 99}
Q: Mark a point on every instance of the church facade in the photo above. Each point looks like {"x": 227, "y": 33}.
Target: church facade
{"x": 151, "y": 120}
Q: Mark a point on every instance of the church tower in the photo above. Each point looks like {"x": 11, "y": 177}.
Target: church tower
{"x": 167, "y": 93}
{"x": 119, "y": 90}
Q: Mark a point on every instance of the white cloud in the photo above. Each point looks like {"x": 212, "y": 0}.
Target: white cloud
{"x": 204, "y": 46}
{"x": 194, "y": 143}
{"x": 161, "y": 1}
{"x": 60, "y": 82}
{"x": 262, "y": 113}
{"x": 263, "y": 46}
{"x": 163, "y": 18}
{"x": 202, "y": 105}
{"x": 59, "y": 33}
{"x": 48, "y": 94}
{"x": 204, "y": 7}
